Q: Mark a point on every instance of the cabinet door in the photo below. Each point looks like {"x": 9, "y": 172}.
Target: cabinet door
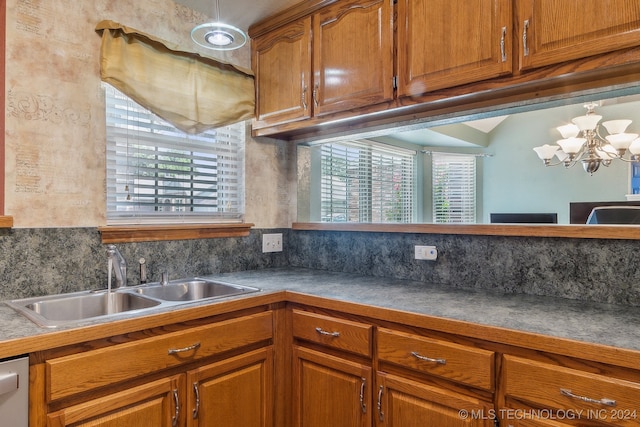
{"x": 330, "y": 391}
{"x": 445, "y": 43}
{"x": 236, "y": 392}
{"x": 406, "y": 403}
{"x": 554, "y": 31}
{"x": 352, "y": 55}
{"x": 282, "y": 67}
{"x": 157, "y": 404}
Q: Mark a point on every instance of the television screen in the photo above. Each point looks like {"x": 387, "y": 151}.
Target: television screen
{"x": 524, "y": 218}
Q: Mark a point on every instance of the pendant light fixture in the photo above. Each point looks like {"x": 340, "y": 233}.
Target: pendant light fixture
{"x": 218, "y": 35}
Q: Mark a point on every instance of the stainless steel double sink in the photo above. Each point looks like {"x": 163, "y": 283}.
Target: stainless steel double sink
{"x": 63, "y": 309}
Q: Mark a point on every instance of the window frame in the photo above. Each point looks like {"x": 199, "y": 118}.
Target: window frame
{"x": 368, "y": 203}
{"x": 157, "y": 227}
{"x": 465, "y": 177}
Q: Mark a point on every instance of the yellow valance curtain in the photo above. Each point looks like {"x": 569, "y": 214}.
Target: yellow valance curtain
{"x": 190, "y": 91}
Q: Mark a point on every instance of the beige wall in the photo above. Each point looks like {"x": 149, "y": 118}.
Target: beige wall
{"x": 55, "y": 133}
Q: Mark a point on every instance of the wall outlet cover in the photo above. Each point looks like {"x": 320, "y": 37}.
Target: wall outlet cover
{"x": 426, "y": 252}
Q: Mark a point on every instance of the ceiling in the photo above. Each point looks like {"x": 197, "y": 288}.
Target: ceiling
{"x": 239, "y": 13}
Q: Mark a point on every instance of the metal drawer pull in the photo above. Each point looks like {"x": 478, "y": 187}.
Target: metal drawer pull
{"x": 606, "y": 402}
{"x": 502, "y": 44}
{"x": 380, "y": 413}
{"x": 331, "y": 334}
{"x": 182, "y": 350}
{"x": 428, "y": 359}
{"x": 362, "y": 404}
{"x": 197, "y": 393}
{"x": 174, "y": 420}
{"x": 525, "y": 46}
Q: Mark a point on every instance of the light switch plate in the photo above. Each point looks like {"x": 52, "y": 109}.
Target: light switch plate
{"x": 272, "y": 242}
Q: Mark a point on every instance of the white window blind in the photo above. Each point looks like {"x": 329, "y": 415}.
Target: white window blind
{"x": 156, "y": 173}
{"x": 454, "y": 188}
{"x": 363, "y": 181}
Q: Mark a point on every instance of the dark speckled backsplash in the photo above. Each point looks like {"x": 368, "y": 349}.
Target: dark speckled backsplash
{"x": 46, "y": 261}
{"x": 55, "y": 260}
{"x": 585, "y": 269}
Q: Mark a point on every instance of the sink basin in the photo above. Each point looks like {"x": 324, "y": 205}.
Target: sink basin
{"x": 193, "y": 290}
{"x": 54, "y": 310}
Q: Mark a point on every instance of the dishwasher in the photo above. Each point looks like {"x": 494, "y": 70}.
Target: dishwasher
{"x": 14, "y": 392}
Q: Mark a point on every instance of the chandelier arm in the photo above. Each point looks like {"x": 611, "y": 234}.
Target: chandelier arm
{"x": 631, "y": 160}
{"x": 570, "y": 163}
{"x": 597, "y": 132}
{"x": 548, "y": 163}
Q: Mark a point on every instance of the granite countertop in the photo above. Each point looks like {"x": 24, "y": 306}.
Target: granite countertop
{"x": 607, "y": 324}
{"x": 611, "y": 325}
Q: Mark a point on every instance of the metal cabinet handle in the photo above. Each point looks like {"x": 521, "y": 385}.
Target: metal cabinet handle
{"x": 304, "y": 97}
{"x": 363, "y": 406}
{"x": 606, "y": 402}
{"x": 525, "y": 46}
{"x": 380, "y": 413}
{"x": 331, "y": 334}
{"x": 182, "y": 350}
{"x": 315, "y": 94}
{"x": 503, "y": 50}
{"x": 428, "y": 359}
{"x": 197, "y": 393}
{"x": 174, "y": 420}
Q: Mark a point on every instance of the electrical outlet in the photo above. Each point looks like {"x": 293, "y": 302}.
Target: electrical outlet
{"x": 426, "y": 252}
{"x": 272, "y": 242}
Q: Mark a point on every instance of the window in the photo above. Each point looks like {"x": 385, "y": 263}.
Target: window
{"x": 454, "y": 188}
{"x": 363, "y": 181}
{"x": 158, "y": 174}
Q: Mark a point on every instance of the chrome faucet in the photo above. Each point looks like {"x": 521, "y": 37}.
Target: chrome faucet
{"x": 119, "y": 265}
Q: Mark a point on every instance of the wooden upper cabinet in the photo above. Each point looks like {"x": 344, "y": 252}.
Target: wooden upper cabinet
{"x": 446, "y": 43}
{"x": 282, "y": 67}
{"x": 555, "y": 31}
{"x": 352, "y": 55}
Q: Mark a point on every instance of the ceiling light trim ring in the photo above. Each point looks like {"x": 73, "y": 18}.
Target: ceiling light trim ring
{"x": 214, "y": 35}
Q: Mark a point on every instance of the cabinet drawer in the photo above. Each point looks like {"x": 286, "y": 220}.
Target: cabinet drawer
{"x": 460, "y": 363}
{"x": 549, "y": 386}
{"x": 333, "y": 332}
{"x": 96, "y": 368}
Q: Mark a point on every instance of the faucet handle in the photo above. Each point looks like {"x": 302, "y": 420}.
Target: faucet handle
{"x": 143, "y": 271}
{"x": 164, "y": 278}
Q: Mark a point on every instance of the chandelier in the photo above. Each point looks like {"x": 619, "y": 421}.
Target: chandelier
{"x": 582, "y": 142}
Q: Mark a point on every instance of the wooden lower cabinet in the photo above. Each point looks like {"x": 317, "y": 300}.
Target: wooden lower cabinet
{"x": 402, "y": 402}
{"x": 157, "y": 404}
{"x": 330, "y": 390}
{"x": 584, "y": 391}
{"x": 233, "y": 393}
{"x": 211, "y": 374}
